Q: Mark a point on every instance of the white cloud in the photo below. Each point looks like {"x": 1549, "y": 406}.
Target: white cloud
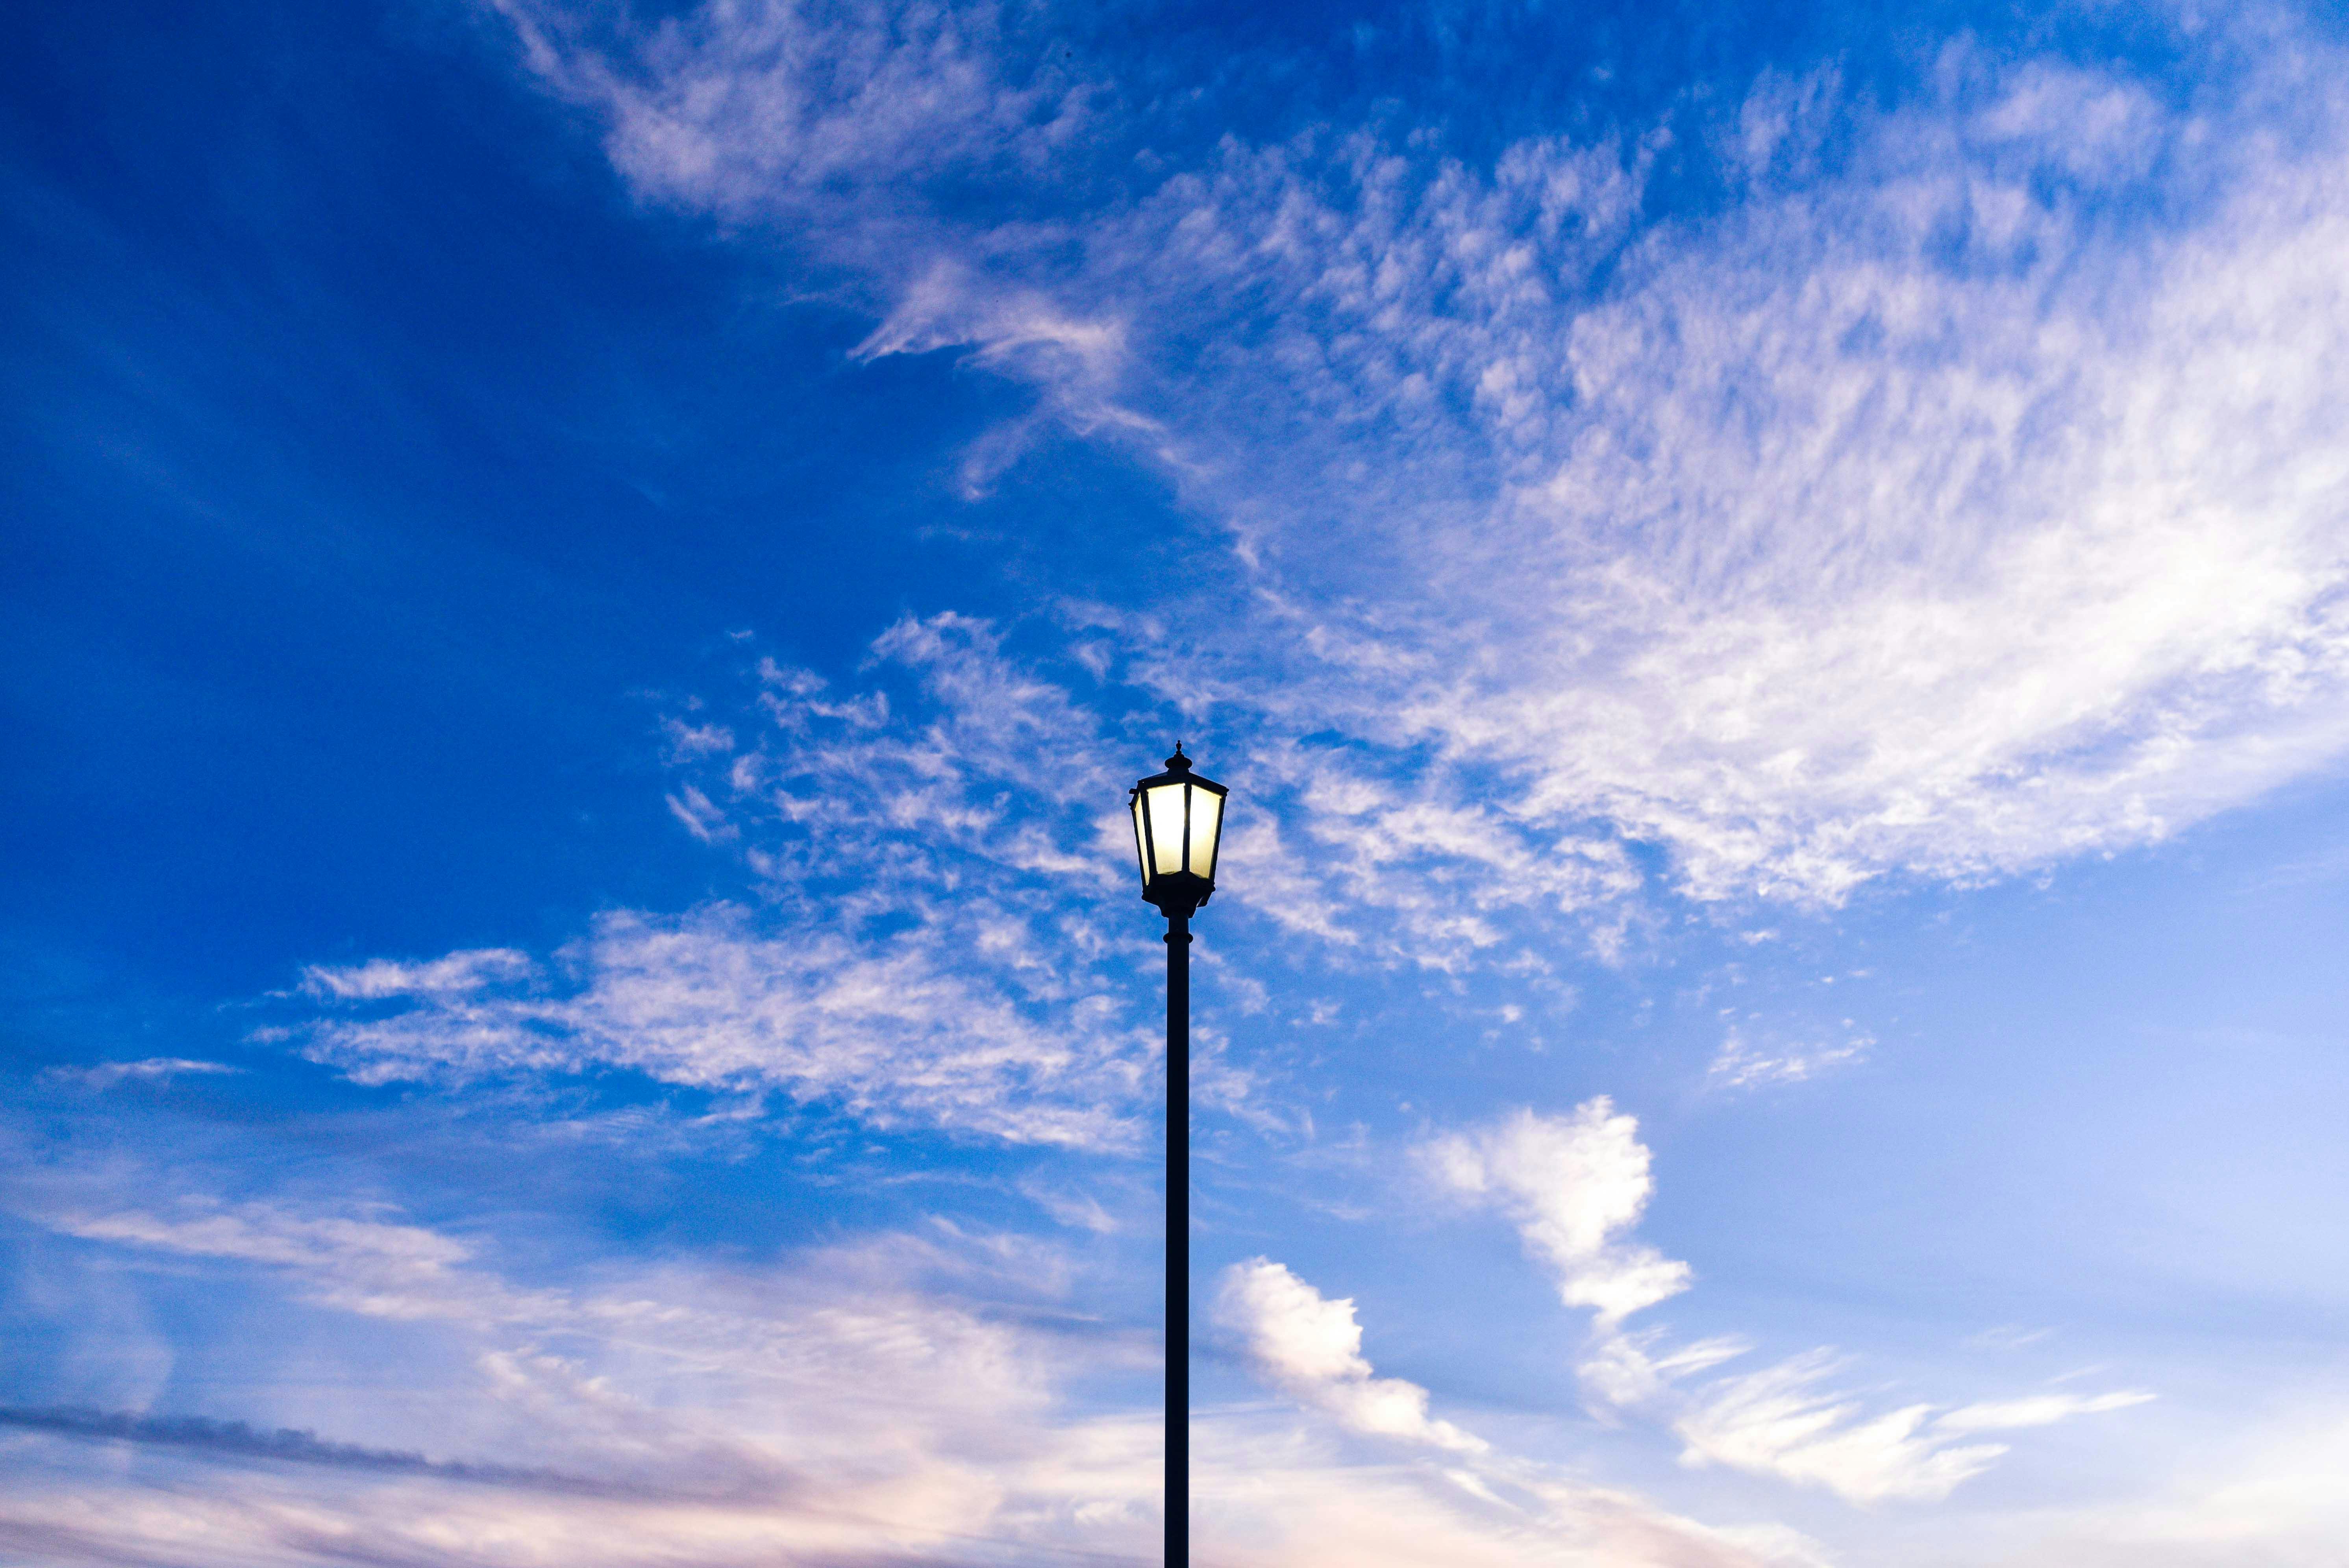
{"x": 1965, "y": 500}
{"x": 1452, "y": 879}
{"x": 1741, "y": 1065}
{"x": 1573, "y": 1186}
{"x": 900, "y": 1031}
{"x": 149, "y": 1070}
{"x": 942, "y": 929}
{"x": 1784, "y": 1421}
{"x": 1269, "y": 1495}
{"x": 1311, "y": 1347}
{"x": 1779, "y": 1422}
{"x": 934, "y": 942}
{"x": 839, "y": 113}
{"x": 879, "y": 1399}
{"x": 880, "y": 1396}
{"x": 1624, "y": 1371}
{"x": 358, "y": 1265}
{"x": 1789, "y": 1421}
{"x": 1956, "y": 564}
{"x": 1909, "y": 516}
{"x": 457, "y": 974}
{"x": 2036, "y": 1410}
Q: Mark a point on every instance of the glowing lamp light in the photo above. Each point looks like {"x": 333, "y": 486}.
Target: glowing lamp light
{"x": 1178, "y": 825}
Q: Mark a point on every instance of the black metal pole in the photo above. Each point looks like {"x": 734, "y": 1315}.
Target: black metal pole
{"x": 1178, "y": 1240}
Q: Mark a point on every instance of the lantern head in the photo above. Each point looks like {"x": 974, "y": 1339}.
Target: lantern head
{"x": 1178, "y": 825}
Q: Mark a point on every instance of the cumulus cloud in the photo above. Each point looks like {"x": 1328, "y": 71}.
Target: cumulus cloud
{"x": 1573, "y": 1186}
{"x": 1311, "y": 1347}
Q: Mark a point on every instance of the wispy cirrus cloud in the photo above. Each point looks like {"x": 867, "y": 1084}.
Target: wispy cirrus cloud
{"x": 1957, "y": 560}
{"x": 1456, "y": 1498}
{"x": 145, "y": 1070}
{"x": 1787, "y": 1420}
{"x": 896, "y": 1393}
{"x": 917, "y": 953}
{"x": 843, "y": 111}
{"x": 1574, "y": 1185}
{"x": 378, "y": 980}
{"x": 1877, "y": 523}
{"x": 906, "y": 1397}
{"x": 1270, "y": 1495}
{"x": 881, "y": 1400}
{"x": 1955, "y": 497}
{"x": 899, "y": 1033}
{"x": 240, "y": 1440}
{"x": 366, "y": 1266}
{"x": 939, "y": 928}
{"x": 1841, "y": 531}
{"x": 1744, "y": 1064}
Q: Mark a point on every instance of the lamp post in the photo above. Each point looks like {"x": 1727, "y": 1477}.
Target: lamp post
{"x": 1178, "y": 825}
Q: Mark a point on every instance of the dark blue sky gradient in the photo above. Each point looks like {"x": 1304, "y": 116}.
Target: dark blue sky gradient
{"x": 372, "y": 454}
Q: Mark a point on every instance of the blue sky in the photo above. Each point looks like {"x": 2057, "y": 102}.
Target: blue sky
{"x": 584, "y": 584}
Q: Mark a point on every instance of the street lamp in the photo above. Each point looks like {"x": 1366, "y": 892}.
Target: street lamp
{"x": 1178, "y": 825}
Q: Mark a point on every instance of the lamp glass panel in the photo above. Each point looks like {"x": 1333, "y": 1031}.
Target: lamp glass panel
{"x": 1140, "y": 844}
{"x": 1206, "y": 821}
{"x": 1165, "y": 805}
